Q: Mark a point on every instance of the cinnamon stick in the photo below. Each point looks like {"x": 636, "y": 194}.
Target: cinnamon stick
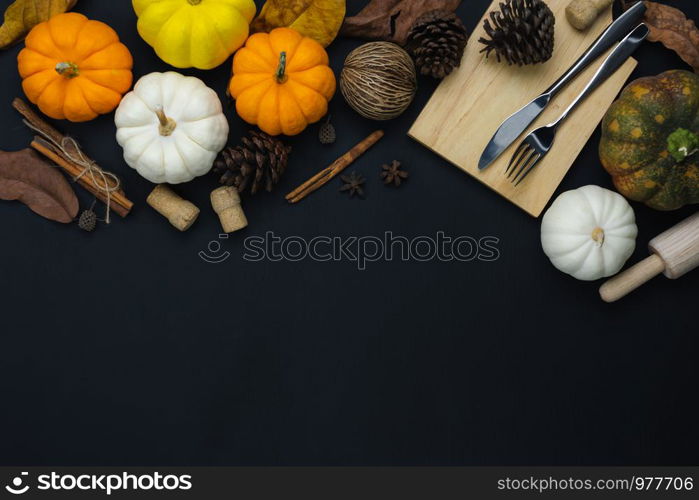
{"x": 117, "y": 199}
{"x": 117, "y": 202}
{"x": 328, "y": 173}
{"x": 36, "y": 120}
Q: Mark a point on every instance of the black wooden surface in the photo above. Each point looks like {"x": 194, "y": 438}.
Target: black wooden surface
{"x": 124, "y": 347}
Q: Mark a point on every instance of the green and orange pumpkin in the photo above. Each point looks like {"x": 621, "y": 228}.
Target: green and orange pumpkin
{"x": 650, "y": 137}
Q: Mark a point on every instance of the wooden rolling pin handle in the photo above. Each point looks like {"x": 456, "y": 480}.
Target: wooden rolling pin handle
{"x": 626, "y": 282}
{"x": 678, "y": 247}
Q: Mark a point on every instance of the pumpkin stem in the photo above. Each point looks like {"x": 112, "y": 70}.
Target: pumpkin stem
{"x": 598, "y": 235}
{"x": 682, "y": 143}
{"x": 194, "y": 2}
{"x": 167, "y": 125}
{"x": 67, "y": 69}
{"x": 281, "y": 69}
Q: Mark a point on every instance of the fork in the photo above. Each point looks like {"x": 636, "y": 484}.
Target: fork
{"x": 539, "y": 142}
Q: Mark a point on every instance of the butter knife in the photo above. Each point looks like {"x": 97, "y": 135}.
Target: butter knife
{"x": 513, "y": 126}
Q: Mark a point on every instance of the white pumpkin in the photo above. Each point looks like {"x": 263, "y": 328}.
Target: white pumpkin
{"x": 171, "y": 127}
{"x": 589, "y": 232}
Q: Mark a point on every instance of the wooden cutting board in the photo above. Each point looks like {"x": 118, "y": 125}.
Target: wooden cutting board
{"x": 471, "y": 103}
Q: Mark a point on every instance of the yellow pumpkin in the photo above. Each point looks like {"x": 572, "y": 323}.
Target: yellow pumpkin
{"x": 194, "y": 33}
{"x": 74, "y": 68}
{"x": 281, "y": 81}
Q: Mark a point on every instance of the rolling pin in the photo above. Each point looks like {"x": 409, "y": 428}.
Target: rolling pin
{"x": 674, "y": 253}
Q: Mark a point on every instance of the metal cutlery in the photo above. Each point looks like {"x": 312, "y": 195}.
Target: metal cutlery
{"x": 516, "y": 124}
{"x": 539, "y": 142}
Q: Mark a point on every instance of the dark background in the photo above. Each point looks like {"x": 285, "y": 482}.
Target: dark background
{"x": 123, "y": 347}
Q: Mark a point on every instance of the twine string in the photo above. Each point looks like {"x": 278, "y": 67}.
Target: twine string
{"x": 104, "y": 181}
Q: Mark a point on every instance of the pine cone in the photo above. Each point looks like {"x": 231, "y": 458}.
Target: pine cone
{"x": 437, "y": 41}
{"x": 258, "y": 162}
{"x": 521, "y": 33}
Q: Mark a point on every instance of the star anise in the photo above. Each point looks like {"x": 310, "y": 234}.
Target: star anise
{"x": 392, "y": 174}
{"x": 353, "y": 184}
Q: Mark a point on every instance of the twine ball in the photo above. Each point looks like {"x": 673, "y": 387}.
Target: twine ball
{"x": 379, "y": 80}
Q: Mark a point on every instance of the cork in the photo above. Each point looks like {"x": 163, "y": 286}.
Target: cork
{"x": 180, "y": 212}
{"x": 226, "y": 203}
{"x": 582, "y": 13}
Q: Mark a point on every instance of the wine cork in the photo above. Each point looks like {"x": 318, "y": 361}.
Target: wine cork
{"x": 226, "y": 203}
{"x": 582, "y": 13}
{"x": 181, "y": 213}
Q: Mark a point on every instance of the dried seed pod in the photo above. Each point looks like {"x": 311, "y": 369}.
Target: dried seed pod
{"x": 353, "y": 184}
{"x": 393, "y": 174}
{"x": 378, "y": 80}
{"x": 88, "y": 220}
{"x": 327, "y": 134}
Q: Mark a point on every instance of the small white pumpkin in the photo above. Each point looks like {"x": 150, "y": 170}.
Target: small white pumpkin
{"x": 171, "y": 127}
{"x": 589, "y": 232}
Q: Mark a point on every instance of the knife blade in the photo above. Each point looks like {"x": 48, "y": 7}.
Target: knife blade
{"x": 512, "y": 128}
{"x": 518, "y": 122}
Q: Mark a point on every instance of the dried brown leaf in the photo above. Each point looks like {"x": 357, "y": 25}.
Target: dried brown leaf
{"x": 22, "y": 15}
{"x": 671, "y": 27}
{"x": 316, "y": 19}
{"x": 391, "y": 20}
{"x": 26, "y": 177}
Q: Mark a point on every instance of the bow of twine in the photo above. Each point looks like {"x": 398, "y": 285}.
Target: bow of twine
{"x": 104, "y": 181}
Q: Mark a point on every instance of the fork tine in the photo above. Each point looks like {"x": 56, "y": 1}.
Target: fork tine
{"x": 523, "y": 161}
{"x": 519, "y": 152}
{"x": 524, "y": 173}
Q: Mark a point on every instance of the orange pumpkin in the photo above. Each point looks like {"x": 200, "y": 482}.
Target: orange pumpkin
{"x": 74, "y": 68}
{"x": 281, "y": 81}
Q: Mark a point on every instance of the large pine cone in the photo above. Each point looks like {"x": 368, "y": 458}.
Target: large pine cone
{"x": 521, "y": 33}
{"x": 437, "y": 41}
{"x": 258, "y": 162}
